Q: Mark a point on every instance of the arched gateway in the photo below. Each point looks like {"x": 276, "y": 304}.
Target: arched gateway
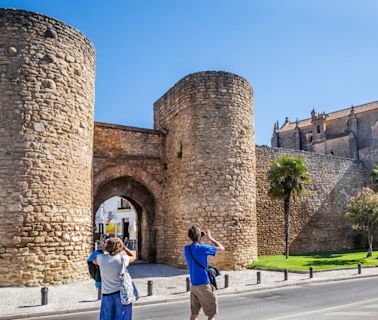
{"x": 142, "y": 191}
{"x": 196, "y": 166}
{"x": 127, "y": 163}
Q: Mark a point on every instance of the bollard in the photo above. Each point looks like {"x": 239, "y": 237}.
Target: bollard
{"x": 258, "y": 277}
{"x": 311, "y": 272}
{"x": 149, "y": 288}
{"x": 286, "y": 274}
{"x": 99, "y": 293}
{"x": 226, "y": 281}
{"x": 359, "y": 268}
{"x": 187, "y": 284}
{"x": 44, "y": 296}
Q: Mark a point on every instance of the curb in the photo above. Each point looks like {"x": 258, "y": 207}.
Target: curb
{"x": 295, "y": 284}
{"x": 161, "y": 301}
{"x": 307, "y": 271}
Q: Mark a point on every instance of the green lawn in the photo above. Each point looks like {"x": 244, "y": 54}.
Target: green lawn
{"x": 319, "y": 261}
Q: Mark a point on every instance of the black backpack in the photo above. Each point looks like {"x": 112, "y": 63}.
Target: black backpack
{"x": 94, "y": 271}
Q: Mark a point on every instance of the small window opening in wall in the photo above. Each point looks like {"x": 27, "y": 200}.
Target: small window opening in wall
{"x": 318, "y": 129}
{"x": 101, "y": 228}
{"x": 179, "y": 153}
{"x": 332, "y": 153}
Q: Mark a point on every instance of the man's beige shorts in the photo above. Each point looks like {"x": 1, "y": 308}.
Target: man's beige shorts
{"x": 203, "y": 297}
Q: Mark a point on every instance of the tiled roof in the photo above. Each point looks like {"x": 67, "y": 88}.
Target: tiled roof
{"x": 287, "y": 126}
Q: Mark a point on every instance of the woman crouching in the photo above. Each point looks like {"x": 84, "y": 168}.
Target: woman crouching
{"x": 113, "y": 266}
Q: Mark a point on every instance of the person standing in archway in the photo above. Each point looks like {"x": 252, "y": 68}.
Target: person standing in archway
{"x": 201, "y": 293}
{"x": 133, "y": 235}
{"x": 112, "y": 262}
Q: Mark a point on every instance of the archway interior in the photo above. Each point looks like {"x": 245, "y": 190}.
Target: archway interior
{"x": 117, "y": 217}
{"x": 141, "y": 203}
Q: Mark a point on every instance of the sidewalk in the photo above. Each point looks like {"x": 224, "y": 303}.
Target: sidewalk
{"x": 169, "y": 284}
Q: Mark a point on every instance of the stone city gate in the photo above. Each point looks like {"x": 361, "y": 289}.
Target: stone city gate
{"x": 198, "y": 165}
{"x": 127, "y": 163}
{"x": 57, "y": 166}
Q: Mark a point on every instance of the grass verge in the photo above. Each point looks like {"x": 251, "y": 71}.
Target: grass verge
{"x": 319, "y": 260}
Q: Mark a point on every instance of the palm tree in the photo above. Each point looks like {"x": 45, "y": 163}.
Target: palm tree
{"x": 287, "y": 178}
{"x": 374, "y": 177}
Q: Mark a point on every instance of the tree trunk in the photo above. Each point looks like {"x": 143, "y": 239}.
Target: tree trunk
{"x": 370, "y": 241}
{"x": 287, "y": 224}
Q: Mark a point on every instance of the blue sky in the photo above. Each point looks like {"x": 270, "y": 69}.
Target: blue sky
{"x": 297, "y": 54}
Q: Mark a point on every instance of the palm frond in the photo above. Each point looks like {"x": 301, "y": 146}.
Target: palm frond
{"x": 287, "y": 176}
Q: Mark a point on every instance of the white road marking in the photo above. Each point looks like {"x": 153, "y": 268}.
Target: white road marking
{"x": 352, "y": 313}
{"x": 301, "y": 314}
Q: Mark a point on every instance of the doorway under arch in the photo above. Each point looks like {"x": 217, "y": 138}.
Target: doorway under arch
{"x": 142, "y": 200}
{"x": 117, "y": 217}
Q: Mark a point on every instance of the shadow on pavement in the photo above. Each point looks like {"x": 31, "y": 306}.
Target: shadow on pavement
{"x": 152, "y": 270}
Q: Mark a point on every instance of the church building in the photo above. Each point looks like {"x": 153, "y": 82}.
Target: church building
{"x": 349, "y": 133}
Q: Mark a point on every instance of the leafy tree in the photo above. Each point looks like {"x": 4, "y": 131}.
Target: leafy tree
{"x": 363, "y": 214}
{"x": 374, "y": 177}
{"x": 287, "y": 178}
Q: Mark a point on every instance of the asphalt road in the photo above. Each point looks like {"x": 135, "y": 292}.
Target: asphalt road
{"x": 347, "y": 300}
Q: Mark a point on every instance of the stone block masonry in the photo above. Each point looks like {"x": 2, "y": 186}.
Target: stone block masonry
{"x": 199, "y": 165}
{"x": 47, "y": 72}
{"x": 210, "y": 159}
{"x": 128, "y": 163}
{"x": 349, "y": 133}
{"x": 318, "y": 219}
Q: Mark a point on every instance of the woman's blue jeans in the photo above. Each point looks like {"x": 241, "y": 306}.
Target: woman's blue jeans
{"x": 113, "y": 309}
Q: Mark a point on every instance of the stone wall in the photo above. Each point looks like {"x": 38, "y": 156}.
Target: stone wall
{"x": 287, "y": 139}
{"x": 127, "y": 151}
{"x": 368, "y": 138}
{"x": 339, "y": 146}
{"x": 318, "y": 222}
{"x": 210, "y": 165}
{"x": 337, "y": 126}
{"x": 47, "y": 72}
{"x": 115, "y": 144}
{"x": 128, "y": 163}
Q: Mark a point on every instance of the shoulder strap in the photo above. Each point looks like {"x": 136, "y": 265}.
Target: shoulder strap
{"x": 123, "y": 268}
{"x": 194, "y": 259}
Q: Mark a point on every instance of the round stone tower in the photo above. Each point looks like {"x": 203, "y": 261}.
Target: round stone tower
{"x": 47, "y": 72}
{"x": 210, "y": 165}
